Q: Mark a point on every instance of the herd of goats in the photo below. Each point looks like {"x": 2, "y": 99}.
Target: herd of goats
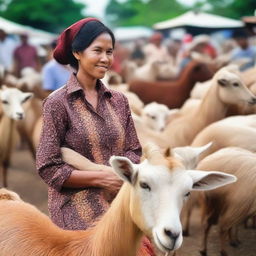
{"x": 198, "y": 133}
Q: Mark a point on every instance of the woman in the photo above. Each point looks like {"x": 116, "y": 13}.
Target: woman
{"x": 89, "y": 118}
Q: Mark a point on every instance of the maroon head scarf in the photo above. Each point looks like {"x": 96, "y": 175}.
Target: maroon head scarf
{"x": 63, "y": 48}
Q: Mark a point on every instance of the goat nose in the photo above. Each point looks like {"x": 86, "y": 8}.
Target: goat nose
{"x": 253, "y": 101}
{"x": 171, "y": 234}
{"x": 19, "y": 115}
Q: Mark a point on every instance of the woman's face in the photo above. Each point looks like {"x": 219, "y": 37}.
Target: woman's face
{"x": 97, "y": 58}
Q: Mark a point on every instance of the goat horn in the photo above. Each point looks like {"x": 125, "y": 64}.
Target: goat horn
{"x": 153, "y": 154}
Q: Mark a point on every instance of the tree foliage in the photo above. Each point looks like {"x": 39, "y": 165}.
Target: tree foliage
{"x": 229, "y": 8}
{"x": 139, "y": 12}
{"x": 55, "y": 15}
{"x": 142, "y": 12}
{"x": 49, "y": 15}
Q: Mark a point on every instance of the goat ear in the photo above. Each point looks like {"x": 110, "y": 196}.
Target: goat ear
{"x": 27, "y": 95}
{"x": 123, "y": 167}
{"x": 204, "y": 180}
{"x": 189, "y": 156}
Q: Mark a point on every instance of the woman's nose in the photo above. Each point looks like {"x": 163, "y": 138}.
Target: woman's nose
{"x": 104, "y": 56}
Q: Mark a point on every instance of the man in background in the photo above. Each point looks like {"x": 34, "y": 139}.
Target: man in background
{"x": 54, "y": 74}
{"x": 25, "y": 55}
{"x": 243, "y": 50}
{"x": 7, "y": 47}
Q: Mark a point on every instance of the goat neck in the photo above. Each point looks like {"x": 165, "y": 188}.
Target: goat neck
{"x": 116, "y": 223}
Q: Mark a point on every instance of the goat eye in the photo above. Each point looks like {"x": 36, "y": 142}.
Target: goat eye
{"x": 187, "y": 195}
{"x": 144, "y": 185}
{"x": 153, "y": 117}
{"x": 5, "y": 102}
{"x": 236, "y": 84}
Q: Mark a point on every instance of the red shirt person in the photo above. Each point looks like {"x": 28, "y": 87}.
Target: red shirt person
{"x": 25, "y": 55}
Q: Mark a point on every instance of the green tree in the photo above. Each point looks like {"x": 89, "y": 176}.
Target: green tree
{"x": 141, "y": 12}
{"x": 229, "y": 8}
{"x": 49, "y": 15}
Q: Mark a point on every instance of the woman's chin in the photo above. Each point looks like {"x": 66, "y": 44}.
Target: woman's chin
{"x": 100, "y": 75}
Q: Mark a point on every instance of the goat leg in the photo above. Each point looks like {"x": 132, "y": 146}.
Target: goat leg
{"x": 223, "y": 241}
{"x": 187, "y": 210}
{"x": 254, "y": 222}
{"x": 207, "y": 226}
{"x": 233, "y": 236}
{"x": 4, "y": 173}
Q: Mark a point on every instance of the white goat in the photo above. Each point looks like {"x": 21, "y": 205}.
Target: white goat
{"x": 234, "y": 131}
{"x": 30, "y": 78}
{"x": 149, "y": 202}
{"x": 229, "y": 206}
{"x": 151, "y": 71}
{"x": 11, "y": 104}
{"x": 28, "y": 125}
{"x": 226, "y": 89}
{"x": 155, "y": 116}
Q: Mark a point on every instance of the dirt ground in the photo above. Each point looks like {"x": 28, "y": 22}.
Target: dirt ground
{"x": 24, "y": 180}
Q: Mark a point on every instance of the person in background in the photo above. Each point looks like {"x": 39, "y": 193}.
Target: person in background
{"x": 121, "y": 53}
{"x": 89, "y": 118}
{"x": 25, "y": 55}
{"x": 137, "y": 53}
{"x": 155, "y": 50}
{"x": 202, "y": 49}
{"x": 184, "y": 48}
{"x": 54, "y": 74}
{"x": 7, "y": 47}
{"x": 243, "y": 50}
{"x": 174, "y": 48}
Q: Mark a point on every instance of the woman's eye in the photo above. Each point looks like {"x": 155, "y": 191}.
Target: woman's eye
{"x": 144, "y": 185}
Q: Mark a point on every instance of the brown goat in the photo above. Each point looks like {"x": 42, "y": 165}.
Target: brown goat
{"x": 172, "y": 93}
{"x": 135, "y": 211}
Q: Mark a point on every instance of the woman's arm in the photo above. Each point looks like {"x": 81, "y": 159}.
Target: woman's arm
{"x": 106, "y": 179}
{"x": 89, "y": 173}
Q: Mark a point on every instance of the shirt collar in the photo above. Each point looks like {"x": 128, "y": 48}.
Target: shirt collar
{"x": 73, "y": 86}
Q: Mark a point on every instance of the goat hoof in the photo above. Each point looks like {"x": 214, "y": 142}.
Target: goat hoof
{"x": 185, "y": 233}
{"x": 203, "y": 253}
{"x": 235, "y": 243}
{"x": 223, "y": 253}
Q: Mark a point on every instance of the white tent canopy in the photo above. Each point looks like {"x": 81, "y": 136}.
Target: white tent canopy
{"x": 132, "y": 33}
{"x": 36, "y": 35}
{"x": 199, "y": 19}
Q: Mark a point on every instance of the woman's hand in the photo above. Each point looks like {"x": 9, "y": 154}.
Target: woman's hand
{"x": 111, "y": 181}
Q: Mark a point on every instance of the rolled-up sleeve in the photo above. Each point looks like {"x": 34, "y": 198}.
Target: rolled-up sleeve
{"x": 133, "y": 149}
{"x": 49, "y": 163}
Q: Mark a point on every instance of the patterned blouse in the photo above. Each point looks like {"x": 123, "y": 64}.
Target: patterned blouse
{"x": 70, "y": 120}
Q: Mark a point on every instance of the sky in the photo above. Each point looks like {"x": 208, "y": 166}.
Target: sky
{"x": 97, "y": 7}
